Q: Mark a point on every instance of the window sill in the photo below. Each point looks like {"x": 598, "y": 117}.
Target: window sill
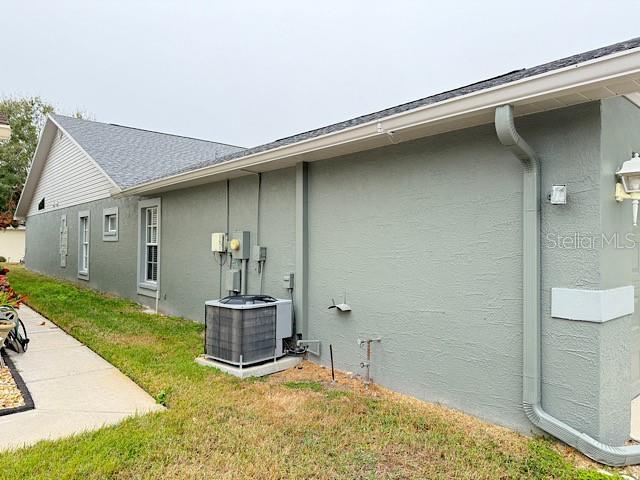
{"x": 110, "y": 237}
{"x": 83, "y": 276}
{"x": 148, "y": 289}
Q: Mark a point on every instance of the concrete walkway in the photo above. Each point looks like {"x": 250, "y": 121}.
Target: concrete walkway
{"x": 73, "y": 389}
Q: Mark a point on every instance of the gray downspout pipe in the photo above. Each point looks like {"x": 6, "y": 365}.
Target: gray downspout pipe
{"x": 531, "y": 374}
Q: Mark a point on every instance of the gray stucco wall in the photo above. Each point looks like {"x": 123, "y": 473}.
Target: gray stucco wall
{"x": 112, "y": 265}
{"x": 427, "y": 243}
{"x": 425, "y": 238}
{"x": 620, "y": 338}
{"x": 190, "y": 272}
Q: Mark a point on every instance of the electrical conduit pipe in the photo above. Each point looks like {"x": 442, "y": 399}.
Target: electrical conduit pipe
{"x": 531, "y": 373}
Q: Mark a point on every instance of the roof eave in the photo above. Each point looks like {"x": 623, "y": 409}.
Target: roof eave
{"x": 451, "y": 114}
{"x": 35, "y": 169}
{"x": 47, "y": 135}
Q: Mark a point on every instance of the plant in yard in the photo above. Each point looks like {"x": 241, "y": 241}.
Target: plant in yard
{"x": 161, "y": 397}
{"x": 8, "y": 296}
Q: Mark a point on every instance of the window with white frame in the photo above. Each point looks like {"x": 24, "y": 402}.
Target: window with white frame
{"x": 110, "y": 224}
{"x": 151, "y": 245}
{"x": 84, "y": 236}
{"x": 149, "y": 219}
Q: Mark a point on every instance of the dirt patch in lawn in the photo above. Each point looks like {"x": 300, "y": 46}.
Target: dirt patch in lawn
{"x": 309, "y": 376}
{"x": 10, "y": 396}
{"x": 312, "y": 377}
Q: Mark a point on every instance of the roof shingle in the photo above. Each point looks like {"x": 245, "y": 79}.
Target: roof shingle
{"x": 131, "y": 156}
{"x": 474, "y": 87}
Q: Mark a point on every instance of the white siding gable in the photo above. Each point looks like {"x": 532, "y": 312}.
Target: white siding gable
{"x": 69, "y": 177}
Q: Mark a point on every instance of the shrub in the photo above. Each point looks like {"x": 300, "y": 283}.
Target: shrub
{"x": 8, "y": 296}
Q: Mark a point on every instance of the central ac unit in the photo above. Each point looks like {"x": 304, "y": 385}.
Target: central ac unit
{"x": 246, "y": 329}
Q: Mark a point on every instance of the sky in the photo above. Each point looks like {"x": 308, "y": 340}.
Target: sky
{"x": 248, "y": 72}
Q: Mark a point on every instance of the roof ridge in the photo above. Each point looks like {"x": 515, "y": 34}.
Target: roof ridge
{"x": 150, "y": 131}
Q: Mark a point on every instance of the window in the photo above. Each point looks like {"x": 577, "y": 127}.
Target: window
{"x": 41, "y": 204}
{"x": 151, "y": 245}
{"x": 110, "y": 224}
{"x": 84, "y": 236}
{"x": 149, "y": 218}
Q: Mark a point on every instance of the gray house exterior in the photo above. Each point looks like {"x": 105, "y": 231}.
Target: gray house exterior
{"x": 418, "y": 224}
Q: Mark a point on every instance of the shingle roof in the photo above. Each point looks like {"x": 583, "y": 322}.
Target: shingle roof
{"x": 3, "y": 120}
{"x": 131, "y": 156}
{"x": 474, "y": 87}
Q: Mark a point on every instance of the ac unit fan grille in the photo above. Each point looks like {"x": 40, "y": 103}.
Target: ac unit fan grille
{"x": 240, "y": 336}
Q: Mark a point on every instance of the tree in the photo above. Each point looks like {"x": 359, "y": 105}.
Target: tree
{"x": 26, "y": 118}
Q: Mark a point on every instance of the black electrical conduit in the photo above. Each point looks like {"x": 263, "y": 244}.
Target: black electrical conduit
{"x": 531, "y": 374}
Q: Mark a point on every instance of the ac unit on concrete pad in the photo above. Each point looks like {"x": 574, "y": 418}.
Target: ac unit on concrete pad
{"x": 246, "y": 329}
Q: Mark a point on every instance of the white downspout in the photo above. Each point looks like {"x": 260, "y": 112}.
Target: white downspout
{"x": 531, "y": 376}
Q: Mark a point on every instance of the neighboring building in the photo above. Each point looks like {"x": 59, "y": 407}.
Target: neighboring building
{"x": 415, "y": 214}
{"x": 5, "y": 130}
{"x": 12, "y": 242}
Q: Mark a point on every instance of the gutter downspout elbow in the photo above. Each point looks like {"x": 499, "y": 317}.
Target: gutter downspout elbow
{"x": 531, "y": 372}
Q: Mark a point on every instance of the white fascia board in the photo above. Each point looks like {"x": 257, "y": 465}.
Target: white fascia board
{"x": 597, "y": 306}
{"x": 116, "y": 188}
{"x": 587, "y": 74}
{"x": 35, "y": 169}
{"x": 37, "y": 164}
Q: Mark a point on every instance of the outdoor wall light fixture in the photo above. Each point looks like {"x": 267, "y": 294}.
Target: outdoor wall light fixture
{"x": 629, "y": 189}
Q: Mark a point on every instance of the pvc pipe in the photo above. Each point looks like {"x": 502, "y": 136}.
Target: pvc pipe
{"x": 531, "y": 376}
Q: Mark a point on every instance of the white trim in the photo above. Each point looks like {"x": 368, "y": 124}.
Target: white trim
{"x": 73, "y": 140}
{"x": 146, "y": 288}
{"x": 47, "y": 136}
{"x": 592, "y": 305}
{"x": 110, "y": 235}
{"x": 591, "y": 74}
{"x": 84, "y": 274}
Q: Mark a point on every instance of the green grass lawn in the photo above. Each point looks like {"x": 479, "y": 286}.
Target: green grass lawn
{"x": 217, "y": 426}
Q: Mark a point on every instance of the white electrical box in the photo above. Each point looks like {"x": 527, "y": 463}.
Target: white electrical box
{"x": 218, "y": 242}
{"x": 288, "y": 281}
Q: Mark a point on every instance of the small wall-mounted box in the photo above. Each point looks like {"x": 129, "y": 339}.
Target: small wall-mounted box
{"x": 233, "y": 280}
{"x": 218, "y": 242}
{"x": 558, "y": 195}
{"x": 288, "y": 281}
{"x": 258, "y": 253}
{"x": 240, "y": 245}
